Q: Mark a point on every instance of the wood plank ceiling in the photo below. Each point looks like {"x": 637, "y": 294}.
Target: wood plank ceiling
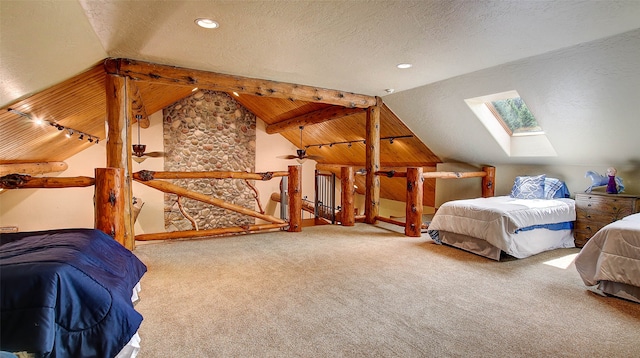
{"x": 80, "y": 104}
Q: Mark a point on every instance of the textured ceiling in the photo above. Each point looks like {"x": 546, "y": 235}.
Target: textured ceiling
{"x": 348, "y": 45}
{"x": 555, "y": 53}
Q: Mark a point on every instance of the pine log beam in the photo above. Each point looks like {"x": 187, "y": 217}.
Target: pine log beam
{"x": 488, "y": 182}
{"x": 347, "y": 182}
{"x": 167, "y": 187}
{"x": 390, "y": 221}
{"x": 319, "y": 116}
{"x": 209, "y": 232}
{"x": 118, "y": 93}
{"x": 436, "y": 175}
{"x": 32, "y": 168}
{"x": 413, "y": 207}
{"x": 150, "y": 175}
{"x": 163, "y": 74}
{"x": 294, "y": 187}
{"x": 372, "y": 162}
{"x": 109, "y": 201}
{"x": 19, "y": 181}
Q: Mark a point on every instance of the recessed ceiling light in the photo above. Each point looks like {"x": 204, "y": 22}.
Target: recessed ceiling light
{"x": 207, "y": 23}
{"x": 404, "y": 65}
{"x": 389, "y": 90}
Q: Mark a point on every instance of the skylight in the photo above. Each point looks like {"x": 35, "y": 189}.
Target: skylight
{"x": 514, "y": 115}
{"x": 512, "y": 124}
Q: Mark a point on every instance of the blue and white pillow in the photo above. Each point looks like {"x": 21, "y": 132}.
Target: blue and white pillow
{"x": 528, "y": 187}
{"x": 555, "y": 188}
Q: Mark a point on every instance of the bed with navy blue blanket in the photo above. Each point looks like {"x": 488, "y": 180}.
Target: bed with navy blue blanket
{"x": 530, "y": 220}
{"x": 67, "y": 293}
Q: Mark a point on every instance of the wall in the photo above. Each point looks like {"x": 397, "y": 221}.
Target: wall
{"x": 209, "y": 131}
{"x": 585, "y": 98}
{"x": 42, "y": 209}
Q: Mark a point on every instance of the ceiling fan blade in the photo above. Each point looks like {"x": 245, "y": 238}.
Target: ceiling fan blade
{"x": 288, "y": 157}
{"x": 313, "y": 157}
{"x": 154, "y": 154}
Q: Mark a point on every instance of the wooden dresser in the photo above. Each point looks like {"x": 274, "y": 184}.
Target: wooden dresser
{"x": 595, "y": 210}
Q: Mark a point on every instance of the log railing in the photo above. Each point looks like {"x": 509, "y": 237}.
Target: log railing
{"x": 415, "y": 177}
{"x": 109, "y": 197}
{"x": 155, "y": 180}
{"x": 414, "y": 208}
{"x": 110, "y": 213}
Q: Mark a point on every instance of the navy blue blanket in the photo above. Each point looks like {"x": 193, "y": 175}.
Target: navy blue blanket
{"x": 67, "y": 293}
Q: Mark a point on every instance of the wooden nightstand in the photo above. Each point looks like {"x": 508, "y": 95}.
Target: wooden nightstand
{"x": 595, "y": 210}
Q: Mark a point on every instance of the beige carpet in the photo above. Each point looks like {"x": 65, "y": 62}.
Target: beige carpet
{"x": 368, "y": 291}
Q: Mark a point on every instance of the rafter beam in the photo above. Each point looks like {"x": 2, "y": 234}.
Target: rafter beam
{"x": 319, "y": 116}
{"x": 150, "y": 72}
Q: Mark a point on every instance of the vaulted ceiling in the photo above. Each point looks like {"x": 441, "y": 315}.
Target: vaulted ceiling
{"x": 457, "y": 49}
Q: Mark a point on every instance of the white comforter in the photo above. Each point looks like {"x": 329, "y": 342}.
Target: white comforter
{"x": 496, "y": 219}
{"x": 612, "y": 254}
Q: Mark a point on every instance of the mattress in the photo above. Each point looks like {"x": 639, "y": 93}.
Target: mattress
{"x": 519, "y": 227}
{"x": 612, "y": 256}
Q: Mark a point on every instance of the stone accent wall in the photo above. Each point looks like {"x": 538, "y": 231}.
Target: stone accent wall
{"x": 209, "y": 131}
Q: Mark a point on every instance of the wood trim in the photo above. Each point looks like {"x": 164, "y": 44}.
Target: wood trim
{"x": 150, "y": 72}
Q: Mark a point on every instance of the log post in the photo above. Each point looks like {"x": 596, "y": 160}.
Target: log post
{"x": 294, "y": 186}
{"x": 413, "y": 223}
{"x": 110, "y": 203}
{"x": 347, "y": 217}
{"x": 372, "y": 162}
{"x": 119, "y": 144}
{"x": 489, "y": 182}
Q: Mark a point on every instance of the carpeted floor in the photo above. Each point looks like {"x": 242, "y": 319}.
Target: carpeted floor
{"x": 368, "y": 291}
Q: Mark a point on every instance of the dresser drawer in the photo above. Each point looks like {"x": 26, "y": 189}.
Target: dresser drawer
{"x": 595, "y": 210}
{"x": 618, "y": 207}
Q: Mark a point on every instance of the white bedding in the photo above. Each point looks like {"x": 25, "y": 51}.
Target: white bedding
{"x": 497, "y": 220}
{"x": 613, "y": 255}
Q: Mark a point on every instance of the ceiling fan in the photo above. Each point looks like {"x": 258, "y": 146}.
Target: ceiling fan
{"x": 301, "y": 153}
{"x": 139, "y": 154}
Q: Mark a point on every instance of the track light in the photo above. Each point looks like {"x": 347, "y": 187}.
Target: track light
{"x": 68, "y": 134}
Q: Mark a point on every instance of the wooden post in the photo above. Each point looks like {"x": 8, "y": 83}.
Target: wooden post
{"x": 347, "y": 217}
{"x": 372, "y": 163}
{"x": 489, "y": 182}
{"x": 294, "y": 186}
{"x": 110, "y": 203}
{"x": 413, "y": 223}
{"x": 119, "y": 143}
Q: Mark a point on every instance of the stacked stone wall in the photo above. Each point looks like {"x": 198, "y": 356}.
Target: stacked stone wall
{"x": 209, "y": 131}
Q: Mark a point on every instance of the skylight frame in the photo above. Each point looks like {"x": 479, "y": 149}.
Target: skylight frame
{"x": 519, "y": 144}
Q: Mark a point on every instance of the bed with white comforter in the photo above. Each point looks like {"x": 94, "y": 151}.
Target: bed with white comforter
{"x": 518, "y": 227}
{"x": 610, "y": 260}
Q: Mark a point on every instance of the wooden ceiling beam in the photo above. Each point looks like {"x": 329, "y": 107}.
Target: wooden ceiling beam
{"x": 145, "y": 71}
{"x": 319, "y": 116}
